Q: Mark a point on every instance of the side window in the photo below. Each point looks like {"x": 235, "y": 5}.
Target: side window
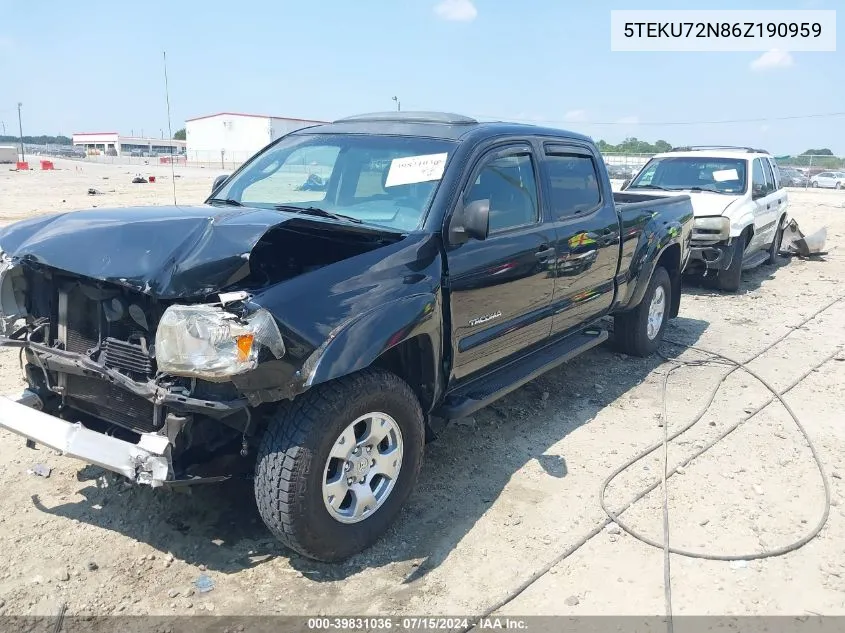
{"x": 758, "y": 180}
{"x": 776, "y": 174}
{"x": 509, "y": 184}
{"x": 767, "y": 174}
{"x": 573, "y": 184}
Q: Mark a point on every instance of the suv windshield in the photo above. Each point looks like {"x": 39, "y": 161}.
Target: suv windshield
{"x": 384, "y": 180}
{"x": 720, "y": 175}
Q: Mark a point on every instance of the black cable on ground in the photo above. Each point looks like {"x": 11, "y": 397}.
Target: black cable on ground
{"x": 539, "y": 573}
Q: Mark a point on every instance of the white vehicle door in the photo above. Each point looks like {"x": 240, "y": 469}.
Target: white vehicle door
{"x": 760, "y": 195}
{"x": 824, "y": 179}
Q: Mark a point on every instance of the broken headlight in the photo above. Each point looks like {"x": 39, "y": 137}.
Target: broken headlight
{"x": 204, "y": 341}
{"x": 12, "y": 296}
{"x": 716, "y": 227}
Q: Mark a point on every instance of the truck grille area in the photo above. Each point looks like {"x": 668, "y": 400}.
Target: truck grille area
{"x": 110, "y": 403}
{"x": 126, "y": 356}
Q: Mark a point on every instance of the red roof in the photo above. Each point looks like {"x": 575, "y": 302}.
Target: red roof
{"x": 260, "y": 116}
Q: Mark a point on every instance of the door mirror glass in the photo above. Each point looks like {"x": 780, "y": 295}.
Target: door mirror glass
{"x": 758, "y": 190}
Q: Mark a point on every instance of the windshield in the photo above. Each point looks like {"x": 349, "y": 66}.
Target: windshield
{"x": 383, "y": 180}
{"x": 720, "y": 175}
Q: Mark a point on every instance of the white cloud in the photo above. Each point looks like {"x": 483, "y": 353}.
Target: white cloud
{"x": 456, "y": 10}
{"x": 774, "y": 58}
{"x": 574, "y": 116}
{"x": 629, "y": 120}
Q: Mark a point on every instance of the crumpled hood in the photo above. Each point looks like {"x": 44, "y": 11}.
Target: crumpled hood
{"x": 166, "y": 252}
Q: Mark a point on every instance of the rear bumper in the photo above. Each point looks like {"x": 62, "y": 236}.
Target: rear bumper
{"x": 143, "y": 463}
{"x": 710, "y": 257}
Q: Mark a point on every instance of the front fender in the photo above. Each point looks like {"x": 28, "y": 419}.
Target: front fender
{"x": 741, "y": 218}
{"x": 673, "y": 235}
{"x": 357, "y": 343}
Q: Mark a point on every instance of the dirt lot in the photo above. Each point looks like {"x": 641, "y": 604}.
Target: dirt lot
{"x": 501, "y": 494}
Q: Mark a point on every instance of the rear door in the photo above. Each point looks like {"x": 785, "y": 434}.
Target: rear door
{"x": 500, "y": 288}
{"x": 769, "y": 206}
{"x": 760, "y": 196}
{"x": 587, "y": 230}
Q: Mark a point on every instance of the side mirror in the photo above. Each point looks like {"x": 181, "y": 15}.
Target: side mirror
{"x": 218, "y": 181}
{"x": 758, "y": 190}
{"x": 471, "y": 222}
{"x": 625, "y": 183}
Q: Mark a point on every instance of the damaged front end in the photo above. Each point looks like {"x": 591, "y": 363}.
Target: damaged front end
{"x": 119, "y": 379}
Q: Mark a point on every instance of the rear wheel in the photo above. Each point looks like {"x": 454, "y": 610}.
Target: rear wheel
{"x": 774, "y": 249}
{"x": 639, "y": 332}
{"x": 335, "y": 467}
{"x": 838, "y": 185}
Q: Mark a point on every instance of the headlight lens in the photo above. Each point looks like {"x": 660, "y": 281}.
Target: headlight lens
{"x": 716, "y": 227}
{"x": 203, "y": 341}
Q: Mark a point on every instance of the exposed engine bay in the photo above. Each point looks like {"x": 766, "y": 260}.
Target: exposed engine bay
{"x": 131, "y": 365}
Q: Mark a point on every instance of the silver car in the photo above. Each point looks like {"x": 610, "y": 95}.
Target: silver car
{"x": 828, "y": 180}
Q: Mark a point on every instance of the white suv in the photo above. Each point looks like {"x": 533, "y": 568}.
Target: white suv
{"x": 739, "y": 204}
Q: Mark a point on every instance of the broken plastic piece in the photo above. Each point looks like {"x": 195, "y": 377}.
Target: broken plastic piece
{"x": 204, "y": 583}
{"x": 41, "y": 470}
{"x": 804, "y": 245}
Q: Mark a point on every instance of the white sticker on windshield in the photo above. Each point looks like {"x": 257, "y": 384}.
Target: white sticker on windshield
{"x": 413, "y": 169}
{"x": 722, "y": 175}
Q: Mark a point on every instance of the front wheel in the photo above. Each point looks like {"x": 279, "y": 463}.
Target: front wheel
{"x": 639, "y": 331}
{"x": 336, "y": 465}
{"x": 838, "y": 185}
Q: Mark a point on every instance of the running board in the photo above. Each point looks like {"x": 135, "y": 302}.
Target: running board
{"x": 755, "y": 260}
{"x": 482, "y": 391}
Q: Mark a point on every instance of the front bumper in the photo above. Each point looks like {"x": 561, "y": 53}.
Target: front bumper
{"x": 145, "y": 462}
{"x": 710, "y": 257}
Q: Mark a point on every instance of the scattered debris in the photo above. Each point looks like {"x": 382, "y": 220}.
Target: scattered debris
{"x": 41, "y": 470}
{"x": 173, "y": 593}
{"x": 804, "y": 245}
{"x": 92, "y": 566}
{"x": 571, "y": 601}
{"x": 139, "y": 180}
{"x": 739, "y": 564}
{"x": 613, "y": 528}
{"x": 62, "y": 575}
{"x": 94, "y": 192}
{"x": 204, "y": 584}
{"x": 704, "y": 522}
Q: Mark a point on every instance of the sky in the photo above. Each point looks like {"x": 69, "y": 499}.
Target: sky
{"x": 94, "y": 66}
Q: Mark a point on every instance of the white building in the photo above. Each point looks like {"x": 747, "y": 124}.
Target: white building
{"x": 113, "y": 144}
{"x": 233, "y": 137}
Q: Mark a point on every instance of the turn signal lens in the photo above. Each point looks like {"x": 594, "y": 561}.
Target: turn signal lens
{"x": 244, "y": 343}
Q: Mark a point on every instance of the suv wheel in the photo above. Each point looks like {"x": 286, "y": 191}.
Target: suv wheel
{"x": 639, "y": 331}
{"x": 337, "y": 464}
{"x": 838, "y": 185}
{"x": 774, "y": 249}
{"x": 729, "y": 279}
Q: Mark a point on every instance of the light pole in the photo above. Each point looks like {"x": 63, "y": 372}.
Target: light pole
{"x": 398, "y": 104}
{"x": 20, "y": 129}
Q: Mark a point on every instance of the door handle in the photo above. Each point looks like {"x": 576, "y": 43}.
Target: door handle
{"x": 545, "y": 252}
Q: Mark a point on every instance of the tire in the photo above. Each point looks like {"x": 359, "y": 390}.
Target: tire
{"x": 774, "y": 249}
{"x": 814, "y": 184}
{"x": 838, "y": 185}
{"x": 631, "y": 329}
{"x": 729, "y": 279}
{"x": 293, "y": 464}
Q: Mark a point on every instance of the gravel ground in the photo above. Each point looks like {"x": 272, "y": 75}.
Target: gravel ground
{"x": 501, "y": 494}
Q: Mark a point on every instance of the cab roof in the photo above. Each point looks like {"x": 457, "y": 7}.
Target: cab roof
{"x": 440, "y": 125}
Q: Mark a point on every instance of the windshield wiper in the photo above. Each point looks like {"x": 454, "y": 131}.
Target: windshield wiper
{"x": 651, "y": 187}
{"x": 316, "y": 211}
{"x": 227, "y": 201}
{"x": 725, "y": 193}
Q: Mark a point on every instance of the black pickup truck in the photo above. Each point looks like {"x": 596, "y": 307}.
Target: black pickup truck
{"x": 329, "y": 307}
